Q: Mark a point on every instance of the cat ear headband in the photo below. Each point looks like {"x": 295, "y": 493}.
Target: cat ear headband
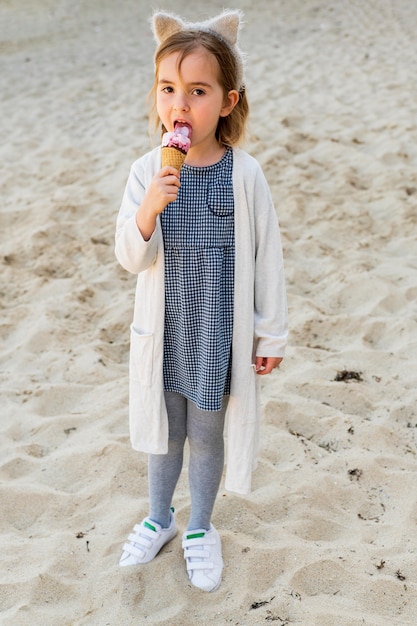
{"x": 225, "y": 27}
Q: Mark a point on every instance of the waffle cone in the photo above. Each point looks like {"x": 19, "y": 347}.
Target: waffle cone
{"x": 173, "y": 157}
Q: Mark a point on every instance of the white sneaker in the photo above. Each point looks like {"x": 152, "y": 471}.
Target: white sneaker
{"x": 203, "y": 555}
{"x": 145, "y": 542}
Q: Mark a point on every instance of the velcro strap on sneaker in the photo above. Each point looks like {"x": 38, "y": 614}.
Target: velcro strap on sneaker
{"x": 199, "y": 565}
{"x": 198, "y": 554}
{"x": 128, "y": 547}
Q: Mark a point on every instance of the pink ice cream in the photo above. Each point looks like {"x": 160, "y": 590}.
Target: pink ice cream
{"x": 179, "y": 138}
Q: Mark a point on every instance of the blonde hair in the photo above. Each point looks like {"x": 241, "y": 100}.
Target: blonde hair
{"x": 230, "y": 129}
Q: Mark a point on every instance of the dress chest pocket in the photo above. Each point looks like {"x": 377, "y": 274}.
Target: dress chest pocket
{"x": 220, "y": 200}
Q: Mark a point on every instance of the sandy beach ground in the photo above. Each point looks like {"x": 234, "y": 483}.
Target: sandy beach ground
{"x": 328, "y": 536}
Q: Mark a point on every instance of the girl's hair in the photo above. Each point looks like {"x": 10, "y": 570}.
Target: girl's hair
{"x": 231, "y": 129}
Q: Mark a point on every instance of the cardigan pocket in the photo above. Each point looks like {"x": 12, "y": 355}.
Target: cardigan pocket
{"x": 141, "y": 356}
{"x": 249, "y": 412}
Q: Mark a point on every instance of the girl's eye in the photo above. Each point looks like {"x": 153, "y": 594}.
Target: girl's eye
{"x": 168, "y": 90}
{"x": 199, "y": 92}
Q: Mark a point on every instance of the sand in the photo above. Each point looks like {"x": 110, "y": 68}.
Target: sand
{"x": 328, "y": 535}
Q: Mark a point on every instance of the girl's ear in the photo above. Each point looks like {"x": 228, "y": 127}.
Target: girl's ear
{"x": 165, "y": 24}
{"x": 230, "y": 102}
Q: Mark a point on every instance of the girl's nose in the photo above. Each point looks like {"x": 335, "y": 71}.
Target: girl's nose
{"x": 181, "y": 103}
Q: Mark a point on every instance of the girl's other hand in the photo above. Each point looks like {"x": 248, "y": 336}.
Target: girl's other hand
{"x": 265, "y": 364}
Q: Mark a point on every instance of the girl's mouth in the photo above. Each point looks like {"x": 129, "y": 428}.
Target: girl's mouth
{"x": 179, "y": 124}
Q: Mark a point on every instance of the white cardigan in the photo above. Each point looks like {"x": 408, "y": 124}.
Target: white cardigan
{"x": 260, "y": 313}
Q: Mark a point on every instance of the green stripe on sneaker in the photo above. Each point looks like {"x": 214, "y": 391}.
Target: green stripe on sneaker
{"x": 148, "y": 525}
{"x": 196, "y": 536}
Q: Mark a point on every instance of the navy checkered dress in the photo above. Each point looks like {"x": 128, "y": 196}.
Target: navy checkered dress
{"x": 198, "y": 231}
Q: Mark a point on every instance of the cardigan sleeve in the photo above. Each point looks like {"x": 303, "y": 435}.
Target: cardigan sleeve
{"x": 271, "y": 317}
{"x": 132, "y": 251}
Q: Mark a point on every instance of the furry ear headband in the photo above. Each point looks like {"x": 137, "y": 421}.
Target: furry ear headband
{"x": 225, "y": 27}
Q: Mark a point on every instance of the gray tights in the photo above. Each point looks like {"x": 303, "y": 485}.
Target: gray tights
{"x": 204, "y": 430}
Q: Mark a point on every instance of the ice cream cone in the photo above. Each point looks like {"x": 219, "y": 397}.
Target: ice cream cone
{"x": 175, "y": 145}
{"x": 173, "y": 157}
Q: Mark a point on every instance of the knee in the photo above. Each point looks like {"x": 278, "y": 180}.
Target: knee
{"x": 208, "y": 443}
{"x": 176, "y": 445}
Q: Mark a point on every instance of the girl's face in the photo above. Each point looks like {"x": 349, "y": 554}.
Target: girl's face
{"x": 193, "y": 96}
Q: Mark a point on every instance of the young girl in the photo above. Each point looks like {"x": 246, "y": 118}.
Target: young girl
{"x": 210, "y": 312}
